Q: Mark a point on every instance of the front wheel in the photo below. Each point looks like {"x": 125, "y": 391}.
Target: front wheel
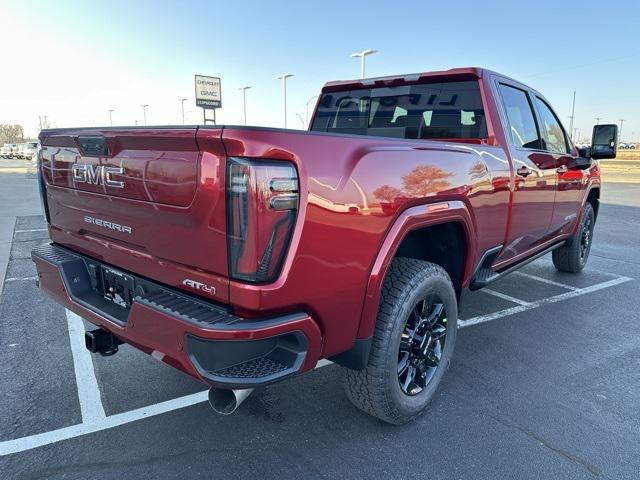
{"x": 572, "y": 256}
{"x": 412, "y": 344}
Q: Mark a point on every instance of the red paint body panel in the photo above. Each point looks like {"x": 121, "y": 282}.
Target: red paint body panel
{"x": 348, "y": 213}
{"x": 160, "y": 167}
{"x": 359, "y": 197}
{"x": 168, "y": 243}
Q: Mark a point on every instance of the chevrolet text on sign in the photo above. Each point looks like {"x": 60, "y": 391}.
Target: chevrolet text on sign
{"x": 208, "y": 93}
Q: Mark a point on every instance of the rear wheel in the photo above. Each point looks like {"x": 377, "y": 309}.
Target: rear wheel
{"x": 573, "y": 255}
{"x": 412, "y": 344}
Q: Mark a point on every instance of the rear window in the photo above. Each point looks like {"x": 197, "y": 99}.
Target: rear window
{"x": 426, "y": 111}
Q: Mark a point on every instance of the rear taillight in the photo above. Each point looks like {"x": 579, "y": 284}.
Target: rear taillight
{"x": 262, "y": 203}
{"x": 41, "y": 185}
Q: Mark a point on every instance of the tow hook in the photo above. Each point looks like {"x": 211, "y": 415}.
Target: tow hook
{"x": 102, "y": 342}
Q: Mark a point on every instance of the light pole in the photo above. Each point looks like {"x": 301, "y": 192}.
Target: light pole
{"x": 284, "y": 77}
{"x": 308, "y": 102}
{"x": 111, "y": 110}
{"x": 182, "y": 100}
{"x": 244, "y": 100}
{"x": 144, "y": 113}
{"x": 598, "y": 120}
{"x": 620, "y": 131}
{"x": 363, "y": 54}
{"x": 573, "y": 113}
{"x": 301, "y": 120}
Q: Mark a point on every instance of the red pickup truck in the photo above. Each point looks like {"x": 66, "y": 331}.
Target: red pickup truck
{"x": 242, "y": 255}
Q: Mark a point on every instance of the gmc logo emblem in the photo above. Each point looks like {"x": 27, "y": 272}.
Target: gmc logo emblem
{"x": 97, "y": 175}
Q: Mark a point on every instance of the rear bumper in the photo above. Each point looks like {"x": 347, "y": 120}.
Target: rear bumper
{"x": 198, "y": 337}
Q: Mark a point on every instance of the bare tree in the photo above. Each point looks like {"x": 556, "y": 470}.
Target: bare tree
{"x": 387, "y": 193}
{"x": 11, "y": 134}
{"x": 419, "y": 182}
{"x": 425, "y": 179}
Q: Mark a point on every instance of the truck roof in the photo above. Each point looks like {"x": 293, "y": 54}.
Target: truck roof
{"x": 463, "y": 72}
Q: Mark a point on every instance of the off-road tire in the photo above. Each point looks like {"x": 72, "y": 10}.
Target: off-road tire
{"x": 376, "y": 389}
{"x": 572, "y": 256}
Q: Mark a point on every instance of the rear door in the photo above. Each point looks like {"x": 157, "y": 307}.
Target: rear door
{"x": 535, "y": 175}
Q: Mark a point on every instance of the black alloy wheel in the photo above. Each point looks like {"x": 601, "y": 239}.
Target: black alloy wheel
{"x": 421, "y": 346}
{"x": 412, "y": 344}
{"x": 573, "y": 255}
{"x": 585, "y": 238}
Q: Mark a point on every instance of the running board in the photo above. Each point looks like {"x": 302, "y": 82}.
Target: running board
{"x": 485, "y": 275}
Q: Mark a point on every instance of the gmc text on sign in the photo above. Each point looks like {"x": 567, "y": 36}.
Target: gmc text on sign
{"x": 208, "y": 92}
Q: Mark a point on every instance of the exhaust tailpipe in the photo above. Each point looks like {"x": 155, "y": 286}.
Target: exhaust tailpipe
{"x": 225, "y": 402}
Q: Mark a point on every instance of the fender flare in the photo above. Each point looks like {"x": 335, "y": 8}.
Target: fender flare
{"x": 411, "y": 219}
{"x": 594, "y": 183}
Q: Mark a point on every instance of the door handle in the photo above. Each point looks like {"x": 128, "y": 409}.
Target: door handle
{"x": 562, "y": 169}
{"x": 524, "y": 171}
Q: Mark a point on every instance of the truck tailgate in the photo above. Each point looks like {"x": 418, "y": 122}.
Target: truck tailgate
{"x": 149, "y": 200}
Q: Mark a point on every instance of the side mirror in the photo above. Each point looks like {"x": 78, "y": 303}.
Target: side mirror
{"x": 583, "y": 162}
{"x": 604, "y": 143}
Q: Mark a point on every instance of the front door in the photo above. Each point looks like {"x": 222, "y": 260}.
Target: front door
{"x": 570, "y": 182}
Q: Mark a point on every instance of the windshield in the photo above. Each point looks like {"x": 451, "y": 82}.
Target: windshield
{"x": 451, "y": 110}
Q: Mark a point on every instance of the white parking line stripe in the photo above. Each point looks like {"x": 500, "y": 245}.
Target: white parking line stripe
{"x": 8, "y": 225}
{"x": 323, "y": 363}
{"x": 34, "y": 441}
{"x": 46, "y": 438}
{"x": 504, "y": 296}
{"x": 8, "y": 447}
{"x": 31, "y": 230}
{"x": 609, "y": 274}
{"x": 545, "y": 301}
{"x": 545, "y": 280}
{"x": 19, "y": 279}
{"x": 88, "y": 391}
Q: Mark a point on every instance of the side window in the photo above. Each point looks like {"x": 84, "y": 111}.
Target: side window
{"x": 522, "y": 123}
{"x": 552, "y": 132}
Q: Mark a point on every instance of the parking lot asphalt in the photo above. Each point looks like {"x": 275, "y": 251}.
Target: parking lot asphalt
{"x": 545, "y": 383}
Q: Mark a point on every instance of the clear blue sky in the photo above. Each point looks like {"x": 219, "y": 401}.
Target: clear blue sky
{"x": 78, "y": 59}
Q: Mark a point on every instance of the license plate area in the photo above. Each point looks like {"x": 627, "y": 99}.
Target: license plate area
{"x": 117, "y": 287}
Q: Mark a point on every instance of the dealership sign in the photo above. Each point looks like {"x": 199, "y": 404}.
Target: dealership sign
{"x": 208, "y": 93}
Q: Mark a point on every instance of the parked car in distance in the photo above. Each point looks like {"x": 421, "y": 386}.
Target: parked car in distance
{"x": 10, "y": 150}
{"x": 244, "y": 255}
{"x": 5, "y": 151}
{"x": 29, "y": 150}
{"x": 20, "y": 151}
{"x": 628, "y": 146}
